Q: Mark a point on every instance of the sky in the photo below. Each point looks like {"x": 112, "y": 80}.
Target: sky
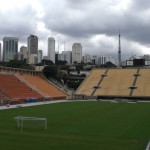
{"x": 93, "y": 23}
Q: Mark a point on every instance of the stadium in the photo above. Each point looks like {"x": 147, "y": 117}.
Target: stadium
{"x": 110, "y": 110}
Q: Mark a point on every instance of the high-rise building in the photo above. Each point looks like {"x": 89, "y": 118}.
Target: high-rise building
{"x": 104, "y": 59}
{"x": 23, "y": 51}
{"x": 10, "y": 48}
{"x": 32, "y": 59}
{"x": 0, "y": 53}
{"x": 86, "y": 58}
{"x": 67, "y": 56}
{"x": 19, "y": 56}
{"x": 51, "y": 49}
{"x": 40, "y": 56}
{"x": 32, "y": 44}
{"x": 76, "y": 52}
{"x": 45, "y": 57}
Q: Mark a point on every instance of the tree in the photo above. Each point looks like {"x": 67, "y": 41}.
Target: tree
{"x": 109, "y": 65}
{"x": 18, "y": 64}
{"x": 64, "y": 67}
{"x": 62, "y": 75}
{"x": 50, "y": 71}
{"x": 46, "y": 62}
{"x": 61, "y": 62}
{"x": 79, "y": 67}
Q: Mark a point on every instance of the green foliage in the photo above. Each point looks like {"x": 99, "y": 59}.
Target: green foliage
{"x": 50, "y": 71}
{"x": 109, "y": 65}
{"x": 79, "y": 66}
{"x": 18, "y": 64}
{"x": 46, "y": 62}
{"x": 79, "y": 126}
{"x": 64, "y": 67}
{"x": 74, "y": 84}
{"x": 61, "y": 62}
{"x": 62, "y": 75}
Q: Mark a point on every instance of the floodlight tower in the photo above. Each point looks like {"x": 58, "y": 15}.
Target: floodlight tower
{"x": 119, "y": 51}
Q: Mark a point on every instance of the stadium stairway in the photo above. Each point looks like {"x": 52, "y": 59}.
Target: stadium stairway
{"x": 99, "y": 83}
{"x": 90, "y": 82}
{"x": 130, "y": 83}
{"x": 133, "y": 87}
{"x": 44, "y": 87}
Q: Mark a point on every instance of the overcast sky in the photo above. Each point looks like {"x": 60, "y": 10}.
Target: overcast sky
{"x": 94, "y": 23}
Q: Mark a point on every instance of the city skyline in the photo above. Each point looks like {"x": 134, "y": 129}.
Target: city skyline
{"x": 95, "y": 24}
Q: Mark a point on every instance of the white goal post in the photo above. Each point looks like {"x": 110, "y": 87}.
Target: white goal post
{"x": 21, "y": 121}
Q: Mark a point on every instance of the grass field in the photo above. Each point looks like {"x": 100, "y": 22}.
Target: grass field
{"x": 79, "y": 126}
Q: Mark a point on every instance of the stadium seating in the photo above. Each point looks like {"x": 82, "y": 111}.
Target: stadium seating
{"x": 12, "y": 88}
{"x": 131, "y": 83}
{"x": 87, "y": 87}
{"x": 43, "y": 87}
{"x": 143, "y": 83}
{"x": 117, "y": 82}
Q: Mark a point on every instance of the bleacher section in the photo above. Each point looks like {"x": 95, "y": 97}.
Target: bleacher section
{"x": 12, "y": 88}
{"x": 87, "y": 87}
{"x": 43, "y": 87}
{"x": 132, "y": 83}
{"x": 143, "y": 83}
{"x": 117, "y": 82}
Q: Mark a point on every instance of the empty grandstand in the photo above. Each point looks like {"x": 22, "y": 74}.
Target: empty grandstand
{"x": 45, "y": 88}
{"x": 12, "y": 89}
{"x": 86, "y": 89}
{"x": 131, "y": 83}
{"x": 22, "y": 85}
{"x": 143, "y": 83}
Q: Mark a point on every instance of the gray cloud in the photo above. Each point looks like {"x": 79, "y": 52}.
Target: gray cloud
{"x": 139, "y": 5}
{"x": 19, "y": 23}
{"x": 82, "y": 20}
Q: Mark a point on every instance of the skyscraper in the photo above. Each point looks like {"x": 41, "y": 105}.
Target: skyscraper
{"x": 76, "y": 52}
{"x": 51, "y": 49}
{"x": 67, "y": 56}
{"x": 23, "y": 51}
{"x": 32, "y": 44}
{"x": 10, "y": 48}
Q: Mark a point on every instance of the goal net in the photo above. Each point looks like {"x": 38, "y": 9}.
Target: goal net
{"x": 30, "y": 122}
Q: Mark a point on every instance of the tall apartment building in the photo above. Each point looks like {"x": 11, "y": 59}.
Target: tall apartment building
{"x": 87, "y": 58}
{"x": 40, "y": 56}
{"x": 19, "y": 56}
{"x": 66, "y": 56}
{"x": 32, "y": 59}
{"x": 10, "y": 48}
{"x": 104, "y": 59}
{"x": 76, "y": 52}
{"x": 51, "y": 49}
{"x": 23, "y": 51}
{"x": 32, "y": 44}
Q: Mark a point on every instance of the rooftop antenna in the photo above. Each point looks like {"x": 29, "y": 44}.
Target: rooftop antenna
{"x": 119, "y": 51}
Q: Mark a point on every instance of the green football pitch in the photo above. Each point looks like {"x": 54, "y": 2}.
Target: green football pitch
{"x": 78, "y": 126}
